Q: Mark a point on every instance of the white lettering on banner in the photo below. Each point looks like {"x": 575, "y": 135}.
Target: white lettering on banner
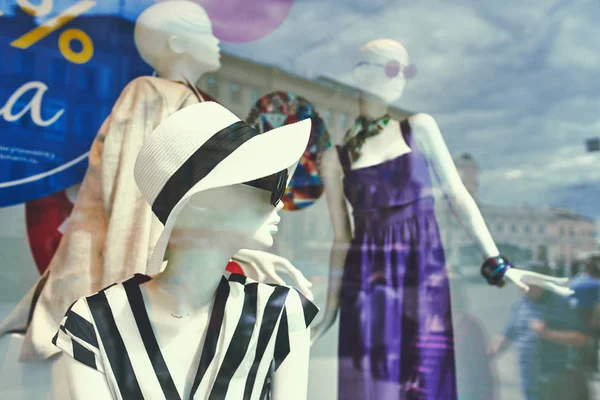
{"x": 34, "y": 105}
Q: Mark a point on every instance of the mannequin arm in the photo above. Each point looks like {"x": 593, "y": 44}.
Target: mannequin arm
{"x": 331, "y": 175}
{"x": 291, "y": 378}
{"x": 429, "y": 138}
{"x": 498, "y": 345}
{"x": 85, "y": 383}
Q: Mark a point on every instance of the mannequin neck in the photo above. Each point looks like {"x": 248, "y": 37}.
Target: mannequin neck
{"x": 180, "y": 68}
{"x": 192, "y": 275}
{"x": 371, "y": 106}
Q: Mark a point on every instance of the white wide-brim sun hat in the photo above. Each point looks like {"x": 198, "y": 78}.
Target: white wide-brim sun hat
{"x": 177, "y": 144}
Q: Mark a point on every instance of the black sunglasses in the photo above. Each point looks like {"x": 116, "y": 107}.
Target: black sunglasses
{"x": 276, "y": 184}
{"x": 204, "y": 160}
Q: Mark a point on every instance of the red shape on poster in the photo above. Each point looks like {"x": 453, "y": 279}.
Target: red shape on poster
{"x": 43, "y": 218}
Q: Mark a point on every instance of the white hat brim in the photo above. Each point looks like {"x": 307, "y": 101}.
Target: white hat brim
{"x": 282, "y": 146}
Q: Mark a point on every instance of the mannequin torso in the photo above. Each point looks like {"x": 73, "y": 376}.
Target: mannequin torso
{"x": 386, "y": 146}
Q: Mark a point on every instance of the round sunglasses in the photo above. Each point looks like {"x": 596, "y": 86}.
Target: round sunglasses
{"x": 393, "y": 68}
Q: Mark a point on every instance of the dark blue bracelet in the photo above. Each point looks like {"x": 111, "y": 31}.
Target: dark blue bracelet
{"x": 494, "y": 268}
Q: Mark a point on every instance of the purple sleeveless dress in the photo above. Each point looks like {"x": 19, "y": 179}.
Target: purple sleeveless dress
{"x": 395, "y": 338}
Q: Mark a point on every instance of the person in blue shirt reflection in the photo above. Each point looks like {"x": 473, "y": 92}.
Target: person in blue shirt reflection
{"x": 545, "y": 328}
{"x": 586, "y": 298}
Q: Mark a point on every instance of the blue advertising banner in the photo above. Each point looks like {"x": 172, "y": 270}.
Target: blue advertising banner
{"x": 60, "y": 78}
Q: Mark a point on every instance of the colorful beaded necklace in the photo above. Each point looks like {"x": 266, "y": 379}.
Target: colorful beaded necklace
{"x": 363, "y": 129}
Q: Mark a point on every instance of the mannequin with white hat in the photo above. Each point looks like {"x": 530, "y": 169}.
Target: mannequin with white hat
{"x": 383, "y": 169}
{"x": 175, "y": 37}
{"x": 193, "y": 331}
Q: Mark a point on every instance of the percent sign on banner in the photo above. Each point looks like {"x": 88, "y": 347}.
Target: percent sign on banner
{"x": 67, "y": 36}
{"x": 63, "y": 68}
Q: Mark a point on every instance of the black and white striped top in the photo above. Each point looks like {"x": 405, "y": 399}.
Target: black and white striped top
{"x": 247, "y": 339}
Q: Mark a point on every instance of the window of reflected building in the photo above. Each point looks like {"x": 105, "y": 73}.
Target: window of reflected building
{"x": 87, "y": 80}
{"x": 52, "y": 108}
{"x": 83, "y": 120}
{"x": 235, "y": 93}
{"x": 211, "y": 85}
{"x": 26, "y": 63}
{"x": 342, "y": 121}
{"x": 57, "y": 71}
{"x": 25, "y": 121}
{"x": 326, "y": 115}
{"x": 254, "y": 95}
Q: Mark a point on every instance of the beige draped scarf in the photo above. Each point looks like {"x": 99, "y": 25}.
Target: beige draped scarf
{"x": 111, "y": 231}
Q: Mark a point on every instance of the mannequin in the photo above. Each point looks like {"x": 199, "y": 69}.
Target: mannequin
{"x": 384, "y": 155}
{"x": 98, "y": 246}
{"x": 170, "y": 322}
{"x": 176, "y": 40}
{"x": 182, "y": 296}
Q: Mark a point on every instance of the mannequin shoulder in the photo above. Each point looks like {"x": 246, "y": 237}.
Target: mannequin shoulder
{"x": 141, "y": 82}
{"x": 147, "y": 86}
{"x": 113, "y": 290}
{"x": 300, "y": 310}
{"x": 426, "y": 132}
{"x": 80, "y": 306}
{"x": 422, "y": 121}
{"x": 294, "y": 299}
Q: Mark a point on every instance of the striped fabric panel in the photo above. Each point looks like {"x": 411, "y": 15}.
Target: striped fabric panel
{"x": 77, "y": 338}
{"x": 213, "y": 335}
{"x": 298, "y": 314}
{"x": 247, "y": 339}
{"x": 270, "y": 319}
{"x": 116, "y": 352}
{"x": 236, "y": 352}
{"x": 144, "y": 327}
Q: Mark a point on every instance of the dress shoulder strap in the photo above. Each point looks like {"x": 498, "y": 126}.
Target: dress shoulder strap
{"x": 344, "y": 158}
{"x": 406, "y": 131}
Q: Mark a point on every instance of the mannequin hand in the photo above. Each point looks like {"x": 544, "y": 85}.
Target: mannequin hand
{"x": 265, "y": 267}
{"x": 521, "y": 277}
{"x": 537, "y": 326}
{"x": 319, "y": 329}
{"x": 496, "y": 345}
